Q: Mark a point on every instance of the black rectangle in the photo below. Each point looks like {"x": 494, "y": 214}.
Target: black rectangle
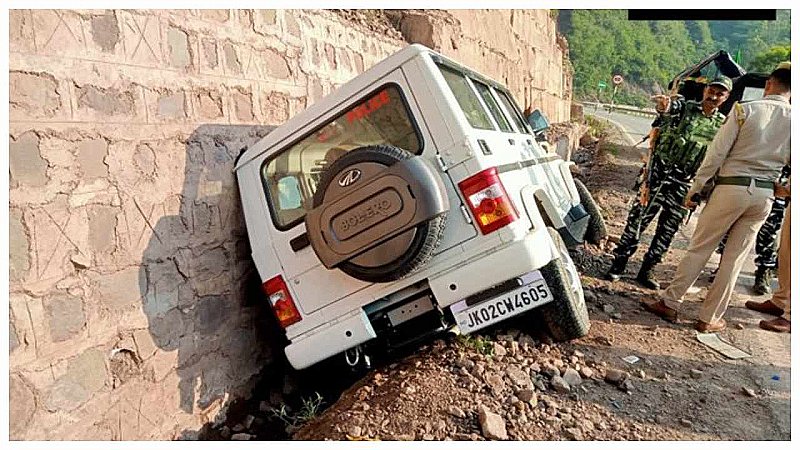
{"x": 300, "y": 242}
{"x": 701, "y": 14}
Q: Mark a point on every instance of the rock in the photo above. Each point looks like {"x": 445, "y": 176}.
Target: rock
{"x": 626, "y": 386}
{"x": 492, "y": 425}
{"x": 526, "y": 341}
{"x": 225, "y": 432}
{"x": 242, "y": 437}
{"x": 615, "y": 376}
{"x": 578, "y": 354}
{"x": 589, "y": 296}
{"x": 587, "y": 373}
{"x": 534, "y": 368}
{"x": 454, "y": 410}
{"x": 248, "y": 421}
{"x": 559, "y": 385}
{"x": 572, "y": 377}
{"x": 748, "y": 392}
{"x": 499, "y": 350}
{"x": 608, "y": 309}
{"x": 355, "y": 431}
{"x": 550, "y": 370}
{"x": 696, "y": 374}
{"x": 739, "y": 326}
{"x": 496, "y": 383}
{"x": 686, "y": 422}
{"x": 518, "y": 377}
{"x": 238, "y": 428}
{"x": 587, "y": 425}
{"x": 427, "y": 437}
{"x": 574, "y": 434}
{"x": 465, "y": 363}
{"x": 528, "y": 396}
{"x": 264, "y": 407}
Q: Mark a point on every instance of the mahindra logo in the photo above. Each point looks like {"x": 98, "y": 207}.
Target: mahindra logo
{"x": 350, "y": 177}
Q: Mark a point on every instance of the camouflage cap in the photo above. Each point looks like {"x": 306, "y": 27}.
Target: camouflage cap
{"x": 722, "y": 81}
{"x": 784, "y": 65}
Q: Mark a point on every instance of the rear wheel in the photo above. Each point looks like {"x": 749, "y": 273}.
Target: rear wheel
{"x": 596, "y": 231}
{"x": 566, "y": 316}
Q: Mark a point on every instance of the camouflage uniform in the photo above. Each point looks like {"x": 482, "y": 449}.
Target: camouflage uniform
{"x": 766, "y": 243}
{"x": 678, "y": 153}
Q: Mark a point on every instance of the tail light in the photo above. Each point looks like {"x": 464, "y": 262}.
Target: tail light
{"x": 488, "y": 200}
{"x": 281, "y": 301}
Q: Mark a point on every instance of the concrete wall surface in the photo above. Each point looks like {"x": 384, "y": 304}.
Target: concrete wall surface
{"x": 132, "y": 309}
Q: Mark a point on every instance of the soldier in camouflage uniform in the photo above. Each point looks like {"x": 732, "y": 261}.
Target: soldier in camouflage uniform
{"x": 687, "y": 127}
{"x": 766, "y": 240}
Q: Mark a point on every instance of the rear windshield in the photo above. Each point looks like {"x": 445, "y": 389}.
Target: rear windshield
{"x": 291, "y": 178}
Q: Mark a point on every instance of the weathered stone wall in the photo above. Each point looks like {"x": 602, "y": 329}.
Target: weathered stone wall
{"x": 130, "y": 315}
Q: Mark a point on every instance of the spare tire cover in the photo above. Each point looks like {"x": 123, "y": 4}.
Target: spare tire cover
{"x": 378, "y": 213}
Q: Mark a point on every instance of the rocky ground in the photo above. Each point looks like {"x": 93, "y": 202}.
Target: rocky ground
{"x": 633, "y": 377}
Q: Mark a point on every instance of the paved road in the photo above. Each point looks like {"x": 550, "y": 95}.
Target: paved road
{"x": 634, "y": 127}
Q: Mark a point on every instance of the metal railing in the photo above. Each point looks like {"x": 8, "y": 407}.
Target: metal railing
{"x": 633, "y": 110}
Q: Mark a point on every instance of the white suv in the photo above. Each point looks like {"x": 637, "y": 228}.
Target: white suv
{"x": 414, "y": 199}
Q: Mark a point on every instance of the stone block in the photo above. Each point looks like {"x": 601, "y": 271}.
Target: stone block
{"x": 145, "y": 346}
{"x": 232, "y": 63}
{"x": 26, "y": 165}
{"x": 105, "y": 31}
{"x": 274, "y": 108}
{"x": 111, "y": 101}
{"x": 142, "y": 38}
{"x": 13, "y": 340}
{"x": 85, "y": 375}
{"x": 119, "y": 290}
{"x": 179, "y": 51}
{"x": 209, "y": 53}
{"x": 22, "y": 406}
{"x": 242, "y": 105}
{"x": 210, "y": 313}
{"x": 207, "y": 104}
{"x": 163, "y": 284}
{"x": 275, "y": 63}
{"x": 91, "y": 158}
{"x": 217, "y": 15}
{"x": 102, "y": 228}
{"x": 265, "y": 21}
{"x": 64, "y": 315}
{"x": 172, "y": 106}
{"x": 33, "y": 94}
{"x": 58, "y": 32}
{"x": 20, "y": 27}
{"x": 19, "y": 246}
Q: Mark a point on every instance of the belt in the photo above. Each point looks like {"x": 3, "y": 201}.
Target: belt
{"x": 745, "y": 181}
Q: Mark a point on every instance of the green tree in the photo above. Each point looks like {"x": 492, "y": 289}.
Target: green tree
{"x": 769, "y": 59}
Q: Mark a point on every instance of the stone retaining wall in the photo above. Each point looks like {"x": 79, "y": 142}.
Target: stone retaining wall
{"x": 134, "y": 306}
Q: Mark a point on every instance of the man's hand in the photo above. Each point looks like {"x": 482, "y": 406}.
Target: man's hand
{"x": 688, "y": 202}
{"x": 662, "y": 102}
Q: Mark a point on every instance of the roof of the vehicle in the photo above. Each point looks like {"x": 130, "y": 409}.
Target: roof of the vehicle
{"x": 339, "y": 96}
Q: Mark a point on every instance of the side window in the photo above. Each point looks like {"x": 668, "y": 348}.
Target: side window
{"x": 494, "y": 108}
{"x": 467, "y": 99}
{"x": 292, "y": 177}
{"x": 513, "y": 110}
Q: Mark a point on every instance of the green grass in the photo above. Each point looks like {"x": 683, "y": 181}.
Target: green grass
{"x": 309, "y": 409}
{"x": 480, "y": 344}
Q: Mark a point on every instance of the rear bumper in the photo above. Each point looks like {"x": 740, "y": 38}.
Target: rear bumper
{"x": 341, "y": 335}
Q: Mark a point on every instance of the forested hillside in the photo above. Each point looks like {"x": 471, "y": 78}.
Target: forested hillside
{"x": 649, "y": 53}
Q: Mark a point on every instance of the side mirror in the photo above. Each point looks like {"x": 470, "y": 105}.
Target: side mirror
{"x": 289, "y": 195}
{"x": 538, "y": 122}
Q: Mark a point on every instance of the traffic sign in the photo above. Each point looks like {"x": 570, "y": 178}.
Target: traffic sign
{"x": 601, "y": 85}
{"x": 617, "y": 79}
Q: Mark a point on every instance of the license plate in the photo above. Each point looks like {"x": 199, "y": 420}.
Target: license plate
{"x": 533, "y": 293}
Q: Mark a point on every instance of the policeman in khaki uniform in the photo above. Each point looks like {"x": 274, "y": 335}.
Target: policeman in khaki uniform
{"x": 687, "y": 127}
{"x": 745, "y": 158}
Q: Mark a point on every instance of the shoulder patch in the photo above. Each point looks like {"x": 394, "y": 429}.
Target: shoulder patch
{"x": 738, "y": 110}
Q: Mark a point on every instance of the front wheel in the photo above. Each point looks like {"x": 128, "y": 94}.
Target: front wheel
{"x": 566, "y": 316}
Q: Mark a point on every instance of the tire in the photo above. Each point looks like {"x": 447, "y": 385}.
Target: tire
{"x": 596, "y": 231}
{"x": 566, "y": 316}
{"x": 418, "y": 244}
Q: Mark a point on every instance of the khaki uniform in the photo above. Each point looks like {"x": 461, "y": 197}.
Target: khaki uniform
{"x": 753, "y": 142}
{"x": 782, "y": 297}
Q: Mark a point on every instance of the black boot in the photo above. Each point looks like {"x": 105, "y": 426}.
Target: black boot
{"x": 763, "y": 281}
{"x": 645, "y": 277}
{"x": 617, "y": 268}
